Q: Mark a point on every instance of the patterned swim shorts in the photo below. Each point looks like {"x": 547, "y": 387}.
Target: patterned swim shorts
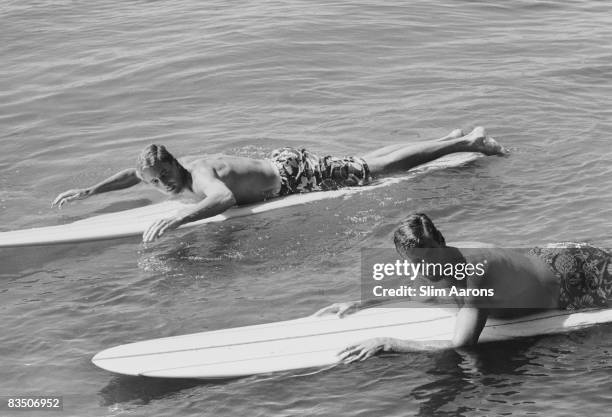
{"x": 583, "y": 271}
{"x": 302, "y": 171}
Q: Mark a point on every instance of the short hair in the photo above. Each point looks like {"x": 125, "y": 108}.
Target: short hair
{"x": 153, "y": 155}
{"x": 411, "y": 232}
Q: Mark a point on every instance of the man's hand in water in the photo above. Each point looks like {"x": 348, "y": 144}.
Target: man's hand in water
{"x": 70, "y": 195}
{"x": 339, "y": 309}
{"x": 364, "y": 350}
{"x": 159, "y": 227}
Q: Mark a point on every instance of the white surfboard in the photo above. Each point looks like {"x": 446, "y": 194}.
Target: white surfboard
{"x": 135, "y": 221}
{"x": 313, "y": 341}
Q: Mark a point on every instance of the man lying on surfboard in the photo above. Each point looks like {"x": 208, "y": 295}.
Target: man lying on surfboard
{"x": 565, "y": 276}
{"x": 219, "y": 183}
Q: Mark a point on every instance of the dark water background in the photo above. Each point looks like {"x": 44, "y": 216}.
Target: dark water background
{"x": 85, "y": 85}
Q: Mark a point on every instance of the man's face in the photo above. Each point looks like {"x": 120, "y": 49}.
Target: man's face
{"x": 164, "y": 176}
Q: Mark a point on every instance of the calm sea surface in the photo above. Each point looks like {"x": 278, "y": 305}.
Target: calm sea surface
{"x": 85, "y": 85}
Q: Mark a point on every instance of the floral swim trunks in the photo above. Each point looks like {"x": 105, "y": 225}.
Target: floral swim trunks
{"x": 302, "y": 171}
{"x": 583, "y": 271}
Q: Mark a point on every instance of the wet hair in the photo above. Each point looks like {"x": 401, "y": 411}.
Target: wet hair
{"x": 412, "y": 232}
{"x": 153, "y": 155}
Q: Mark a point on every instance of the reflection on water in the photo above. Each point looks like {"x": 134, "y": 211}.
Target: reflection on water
{"x": 463, "y": 376}
{"x": 142, "y": 390}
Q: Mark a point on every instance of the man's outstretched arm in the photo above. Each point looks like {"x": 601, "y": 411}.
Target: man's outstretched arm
{"x": 123, "y": 179}
{"x": 218, "y": 199}
{"x": 470, "y": 322}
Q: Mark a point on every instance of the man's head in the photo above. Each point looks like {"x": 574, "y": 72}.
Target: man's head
{"x": 415, "y": 234}
{"x": 157, "y": 166}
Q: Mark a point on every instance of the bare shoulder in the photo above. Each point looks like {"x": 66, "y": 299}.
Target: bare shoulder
{"x": 494, "y": 256}
{"x": 203, "y": 168}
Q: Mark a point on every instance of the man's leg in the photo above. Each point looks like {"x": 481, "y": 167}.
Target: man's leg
{"x": 457, "y": 133}
{"x": 404, "y": 157}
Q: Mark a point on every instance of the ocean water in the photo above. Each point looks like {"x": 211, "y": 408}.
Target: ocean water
{"x": 85, "y": 85}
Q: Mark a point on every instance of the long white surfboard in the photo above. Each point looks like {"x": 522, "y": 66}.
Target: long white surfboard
{"x": 135, "y": 221}
{"x": 313, "y": 341}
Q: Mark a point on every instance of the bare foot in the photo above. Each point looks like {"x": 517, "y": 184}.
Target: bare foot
{"x": 491, "y": 147}
{"x": 455, "y": 134}
{"x": 477, "y": 132}
{"x": 480, "y": 142}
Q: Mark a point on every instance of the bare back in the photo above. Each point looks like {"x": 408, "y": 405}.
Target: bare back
{"x": 250, "y": 180}
{"x": 520, "y": 282}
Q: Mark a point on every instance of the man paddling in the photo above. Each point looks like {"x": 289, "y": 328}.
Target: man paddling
{"x": 565, "y": 276}
{"x": 217, "y": 184}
